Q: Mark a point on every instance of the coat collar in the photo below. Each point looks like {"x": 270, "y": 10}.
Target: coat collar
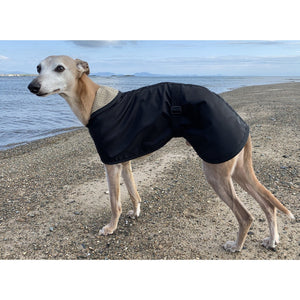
{"x": 104, "y": 95}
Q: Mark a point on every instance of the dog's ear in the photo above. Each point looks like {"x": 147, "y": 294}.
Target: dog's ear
{"x": 82, "y": 67}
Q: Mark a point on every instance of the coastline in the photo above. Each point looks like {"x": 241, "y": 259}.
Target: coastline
{"x": 30, "y": 143}
{"x": 54, "y": 193}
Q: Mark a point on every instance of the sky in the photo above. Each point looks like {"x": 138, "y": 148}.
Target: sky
{"x": 171, "y": 57}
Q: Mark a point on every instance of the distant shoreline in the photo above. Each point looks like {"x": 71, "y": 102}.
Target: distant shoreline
{"x": 17, "y": 75}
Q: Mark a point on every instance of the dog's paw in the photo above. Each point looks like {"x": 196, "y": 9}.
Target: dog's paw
{"x": 230, "y": 246}
{"x": 270, "y": 243}
{"x": 134, "y": 213}
{"x": 131, "y": 214}
{"x": 106, "y": 230}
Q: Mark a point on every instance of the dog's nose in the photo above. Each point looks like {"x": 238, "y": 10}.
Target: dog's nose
{"x": 34, "y": 87}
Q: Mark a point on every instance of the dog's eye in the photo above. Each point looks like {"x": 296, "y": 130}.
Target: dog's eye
{"x": 39, "y": 68}
{"x": 59, "y": 68}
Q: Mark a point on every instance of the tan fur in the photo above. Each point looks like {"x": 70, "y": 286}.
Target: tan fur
{"x": 86, "y": 89}
{"x": 80, "y": 94}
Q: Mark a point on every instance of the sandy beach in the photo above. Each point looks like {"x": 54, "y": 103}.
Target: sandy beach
{"x": 54, "y": 196}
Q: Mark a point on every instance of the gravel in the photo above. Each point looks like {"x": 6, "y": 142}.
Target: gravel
{"x": 54, "y": 195}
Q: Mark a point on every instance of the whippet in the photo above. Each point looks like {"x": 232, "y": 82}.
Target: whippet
{"x": 95, "y": 106}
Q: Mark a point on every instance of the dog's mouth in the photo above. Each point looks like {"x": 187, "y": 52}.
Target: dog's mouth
{"x": 47, "y": 94}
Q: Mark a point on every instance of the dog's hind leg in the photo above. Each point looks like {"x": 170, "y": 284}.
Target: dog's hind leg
{"x": 113, "y": 173}
{"x": 244, "y": 175}
{"x": 219, "y": 177}
{"x": 131, "y": 187}
{"x": 268, "y": 209}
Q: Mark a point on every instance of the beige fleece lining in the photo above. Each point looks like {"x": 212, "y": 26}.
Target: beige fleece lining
{"x": 104, "y": 95}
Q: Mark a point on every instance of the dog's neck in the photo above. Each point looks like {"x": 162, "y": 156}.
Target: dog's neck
{"x": 81, "y": 98}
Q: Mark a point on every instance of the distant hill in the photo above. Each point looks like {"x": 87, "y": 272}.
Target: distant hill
{"x": 139, "y": 74}
{"x": 146, "y": 74}
{"x": 104, "y": 74}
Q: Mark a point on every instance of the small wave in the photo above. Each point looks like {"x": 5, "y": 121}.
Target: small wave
{"x": 20, "y": 140}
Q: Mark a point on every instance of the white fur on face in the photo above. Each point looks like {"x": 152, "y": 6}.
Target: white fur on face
{"x": 53, "y": 82}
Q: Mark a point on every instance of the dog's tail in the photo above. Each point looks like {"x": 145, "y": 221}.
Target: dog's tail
{"x": 259, "y": 188}
{"x": 266, "y": 194}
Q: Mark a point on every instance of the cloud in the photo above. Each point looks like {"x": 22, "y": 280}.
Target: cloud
{"x": 233, "y": 60}
{"x": 101, "y": 44}
{"x": 264, "y": 42}
{"x": 256, "y": 42}
{"x": 228, "y": 65}
{"x": 2, "y": 57}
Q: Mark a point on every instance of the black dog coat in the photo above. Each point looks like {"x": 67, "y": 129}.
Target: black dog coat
{"x": 138, "y": 122}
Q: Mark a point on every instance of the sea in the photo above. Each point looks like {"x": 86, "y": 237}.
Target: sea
{"x": 25, "y": 117}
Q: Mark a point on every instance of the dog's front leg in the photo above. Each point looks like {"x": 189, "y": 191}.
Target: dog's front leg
{"x": 113, "y": 173}
{"x": 131, "y": 187}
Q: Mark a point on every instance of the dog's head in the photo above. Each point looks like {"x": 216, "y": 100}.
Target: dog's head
{"x": 58, "y": 75}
